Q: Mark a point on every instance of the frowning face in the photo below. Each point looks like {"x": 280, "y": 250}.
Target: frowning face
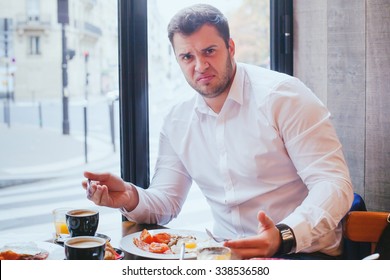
{"x": 207, "y": 64}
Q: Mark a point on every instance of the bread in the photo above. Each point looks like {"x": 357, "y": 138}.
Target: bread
{"x": 110, "y": 253}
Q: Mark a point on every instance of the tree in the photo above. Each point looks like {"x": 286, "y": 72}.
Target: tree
{"x": 250, "y": 29}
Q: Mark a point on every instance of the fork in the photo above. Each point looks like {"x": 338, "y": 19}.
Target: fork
{"x": 89, "y": 190}
{"x": 216, "y": 238}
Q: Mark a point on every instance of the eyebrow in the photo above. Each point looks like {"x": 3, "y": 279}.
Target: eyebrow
{"x": 209, "y": 47}
{"x": 203, "y": 50}
{"x": 184, "y": 54}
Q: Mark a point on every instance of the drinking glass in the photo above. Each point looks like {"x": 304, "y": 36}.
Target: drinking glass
{"x": 60, "y": 222}
{"x": 213, "y": 253}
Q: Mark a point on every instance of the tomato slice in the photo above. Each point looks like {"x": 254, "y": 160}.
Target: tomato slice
{"x": 158, "y": 248}
{"x": 146, "y": 236}
{"x": 162, "y": 237}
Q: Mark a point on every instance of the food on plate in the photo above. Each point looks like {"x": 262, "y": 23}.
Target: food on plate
{"x": 146, "y": 237}
{"x": 159, "y": 248}
{"x": 162, "y": 237}
{"x": 164, "y": 243}
{"x": 110, "y": 253}
{"x": 23, "y": 252}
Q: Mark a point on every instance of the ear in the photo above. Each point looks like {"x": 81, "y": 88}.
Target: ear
{"x": 232, "y": 47}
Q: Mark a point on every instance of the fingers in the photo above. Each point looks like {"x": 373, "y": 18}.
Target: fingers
{"x": 92, "y": 187}
{"x": 265, "y": 222}
{"x": 98, "y": 194}
{"x": 97, "y": 176}
{"x": 104, "y": 197}
{"x": 261, "y": 245}
{"x": 254, "y": 246}
{"x": 246, "y": 242}
{"x": 84, "y": 184}
{"x": 90, "y": 190}
{"x": 246, "y": 248}
{"x": 87, "y": 185}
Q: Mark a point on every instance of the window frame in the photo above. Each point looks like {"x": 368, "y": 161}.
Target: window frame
{"x": 33, "y": 10}
{"x": 281, "y": 30}
{"x": 133, "y": 79}
{"x": 133, "y": 91}
{"x": 34, "y": 45}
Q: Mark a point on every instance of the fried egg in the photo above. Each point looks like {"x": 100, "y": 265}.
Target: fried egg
{"x": 190, "y": 242}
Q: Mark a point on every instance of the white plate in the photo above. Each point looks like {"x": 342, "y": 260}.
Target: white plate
{"x": 128, "y": 245}
{"x": 56, "y": 252}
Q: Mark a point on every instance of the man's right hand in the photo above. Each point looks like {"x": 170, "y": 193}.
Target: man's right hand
{"x": 109, "y": 190}
{"x": 265, "y": 244}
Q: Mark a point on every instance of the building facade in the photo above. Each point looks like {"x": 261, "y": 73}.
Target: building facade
{"x": 31, "y": 49}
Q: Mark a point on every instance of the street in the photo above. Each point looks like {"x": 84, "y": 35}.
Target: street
{"x": 25, "y": 210}
{"x": 48, "y": 114}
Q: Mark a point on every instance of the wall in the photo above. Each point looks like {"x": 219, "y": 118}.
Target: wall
{"x": 341, "y": 52}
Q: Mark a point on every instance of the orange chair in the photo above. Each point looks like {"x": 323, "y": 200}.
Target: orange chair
{"x": 365, "y": 226}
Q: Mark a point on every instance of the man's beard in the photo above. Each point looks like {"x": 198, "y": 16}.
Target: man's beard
{"x": 219, "y": 88}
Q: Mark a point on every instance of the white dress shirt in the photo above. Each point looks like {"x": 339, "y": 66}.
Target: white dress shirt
{"x": 272, "y": 147}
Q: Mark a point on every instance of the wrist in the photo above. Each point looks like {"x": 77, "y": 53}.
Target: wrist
{"x": 287, "y": 237}
{"x": 132, "y": 197}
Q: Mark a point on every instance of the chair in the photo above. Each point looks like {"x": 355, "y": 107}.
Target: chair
{"x": 355, "y": 250}
{"x": 366, "y": 227}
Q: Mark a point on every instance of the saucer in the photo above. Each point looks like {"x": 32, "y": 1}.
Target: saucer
{"x": 120, "y": 254}
{"x": 63, "y": 237}
{"x": 106, "y": 237}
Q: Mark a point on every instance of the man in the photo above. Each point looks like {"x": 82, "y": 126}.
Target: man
{"x": 258, "y": 143}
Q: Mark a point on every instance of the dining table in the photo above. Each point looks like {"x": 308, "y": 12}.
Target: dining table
{"x": 121, "y": 236}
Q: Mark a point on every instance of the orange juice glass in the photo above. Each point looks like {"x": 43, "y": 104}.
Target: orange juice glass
{"x": 61, "y": 228}
{"x": 60, "y": 221}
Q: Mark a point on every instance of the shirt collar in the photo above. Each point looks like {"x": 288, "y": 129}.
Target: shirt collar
{"x": 236, "y": 93}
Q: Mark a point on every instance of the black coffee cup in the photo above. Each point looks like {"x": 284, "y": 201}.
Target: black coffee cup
{"x": 85, "y": 248}
{"x": 82, "y": 222}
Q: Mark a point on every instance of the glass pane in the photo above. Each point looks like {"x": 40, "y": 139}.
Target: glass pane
{"x": 249, "y": 24}
{"x": 50, "y": 132}
{"x": 32, "y": 9}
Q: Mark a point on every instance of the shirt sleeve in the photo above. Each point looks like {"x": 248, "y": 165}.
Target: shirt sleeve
{"x": 169, "y": 188}
{"x": 304, "y": 124}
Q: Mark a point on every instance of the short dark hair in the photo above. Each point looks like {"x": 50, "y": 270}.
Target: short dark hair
{"x": 190, "y": 19}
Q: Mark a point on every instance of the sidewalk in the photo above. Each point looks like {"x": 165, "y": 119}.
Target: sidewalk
{"x": 30, "y": 153}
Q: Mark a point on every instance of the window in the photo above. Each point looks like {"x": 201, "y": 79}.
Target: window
{"x": 41, "y": 167}
{"x": 33, "y": 10}
{"x": 135, "y": 107}
{"x": 282, "y": 36}
{"x": 137, "y": 123}
{"x": 30, "y": 187}
{"x": 34, "y": 45}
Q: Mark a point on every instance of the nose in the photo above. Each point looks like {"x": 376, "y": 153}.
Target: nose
{"x": 201, "y": 65}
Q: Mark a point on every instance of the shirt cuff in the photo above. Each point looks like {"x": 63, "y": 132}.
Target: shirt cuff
{"x": 299, "y": 229}
{"x": 138, "y": 214}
